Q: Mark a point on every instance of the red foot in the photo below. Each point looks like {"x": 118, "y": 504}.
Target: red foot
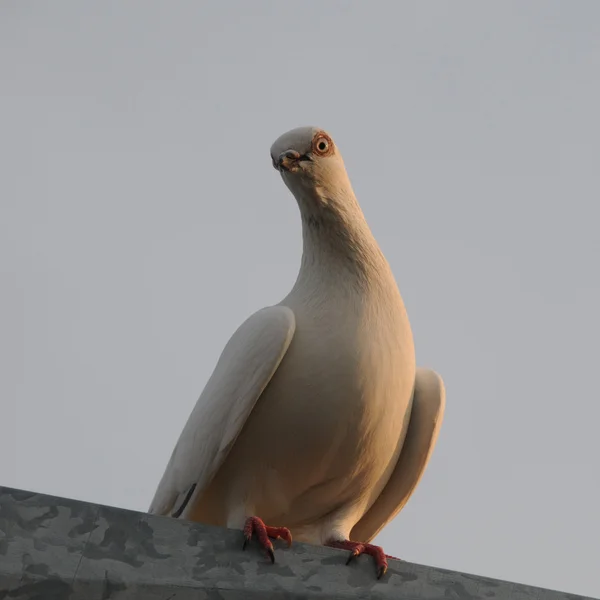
{"x": 358, "y": 548}
{"x": 255, "y": 526}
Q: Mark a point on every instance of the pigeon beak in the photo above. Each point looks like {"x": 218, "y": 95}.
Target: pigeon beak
{"x": 288, "y": 161}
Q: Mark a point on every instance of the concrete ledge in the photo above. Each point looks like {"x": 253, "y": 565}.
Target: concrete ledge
{"x": 58, "y": 549}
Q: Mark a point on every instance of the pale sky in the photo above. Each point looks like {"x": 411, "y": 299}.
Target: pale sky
{"x": 141, "y": 222}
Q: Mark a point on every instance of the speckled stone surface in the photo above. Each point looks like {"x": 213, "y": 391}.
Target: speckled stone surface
{"x": 58, "y": 549}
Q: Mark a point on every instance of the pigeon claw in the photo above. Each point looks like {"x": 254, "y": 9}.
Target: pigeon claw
{"x": 358, "y": 548}
{"x": 256, "y": 527}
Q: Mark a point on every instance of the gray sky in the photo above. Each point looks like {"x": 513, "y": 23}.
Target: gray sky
{"x": 141, "y": 222}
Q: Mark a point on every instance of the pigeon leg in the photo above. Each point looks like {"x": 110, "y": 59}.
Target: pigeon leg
{"x": 358, "y": 548}
{"x": 255, "y": 526}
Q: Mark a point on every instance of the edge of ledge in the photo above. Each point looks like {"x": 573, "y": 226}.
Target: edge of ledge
{"x": 57, "y": 548}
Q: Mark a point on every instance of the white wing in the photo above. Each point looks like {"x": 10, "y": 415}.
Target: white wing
{"x": 423, "y": 429}
{"x": 244, "y": 369}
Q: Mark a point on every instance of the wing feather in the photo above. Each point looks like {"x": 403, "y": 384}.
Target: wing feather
{"x": 243, "y": 370}
{"x": 425, "y": 421}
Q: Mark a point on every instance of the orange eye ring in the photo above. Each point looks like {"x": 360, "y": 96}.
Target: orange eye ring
{"x": 322, "y": 145}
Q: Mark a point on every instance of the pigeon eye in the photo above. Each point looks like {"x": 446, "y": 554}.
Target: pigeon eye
{"x": 322, "y": 145}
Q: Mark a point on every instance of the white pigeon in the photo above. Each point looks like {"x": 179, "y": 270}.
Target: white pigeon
{"x": 315, "y": 416}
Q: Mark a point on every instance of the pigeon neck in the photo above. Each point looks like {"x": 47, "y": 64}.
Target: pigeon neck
{"x": 336, "y": 237}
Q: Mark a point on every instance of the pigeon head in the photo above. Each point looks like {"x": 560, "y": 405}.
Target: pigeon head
{"x": 303, "y": 150}
{"x": 311, "y": 166}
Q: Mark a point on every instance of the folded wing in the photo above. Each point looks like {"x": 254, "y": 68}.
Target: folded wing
{"x": 423, "y": 429}
{"x": 243, "y": 370}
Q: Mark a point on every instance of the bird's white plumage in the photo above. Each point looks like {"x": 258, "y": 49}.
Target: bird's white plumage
{"x": 425, "y": 421}
{"x": 243, "y": 370}
{"x": 315, "y": 417}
